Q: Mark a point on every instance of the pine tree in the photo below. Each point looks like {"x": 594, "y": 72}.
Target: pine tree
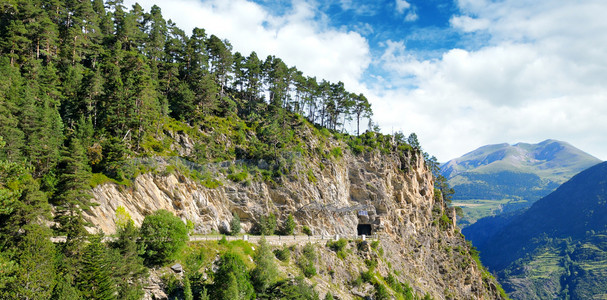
{"x": 289, "y": 225}
{"x": 129, "y": 272}
{"x": 72, "y": 198}
{"x": 36, "y": 273}
{"x": 232, "y": 279}
{"x": 235, "y": 224}
{"x": 95, "y": 280}
{"x": 265, "y": 272}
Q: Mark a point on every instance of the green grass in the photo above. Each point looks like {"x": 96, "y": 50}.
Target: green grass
{"x": 100, "y": 178}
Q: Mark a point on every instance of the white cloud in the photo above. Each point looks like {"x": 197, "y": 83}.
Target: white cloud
{"x": 297, "y": 37}
{"x": 541, "y": 75}
{"x": 468, "y": 24}
{"x": 402, "y": 5}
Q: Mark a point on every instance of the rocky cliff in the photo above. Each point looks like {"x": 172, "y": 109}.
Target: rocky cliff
{"x": 394, "y": 194}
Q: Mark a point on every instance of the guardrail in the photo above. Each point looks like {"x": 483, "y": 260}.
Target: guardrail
{"x": 271, "y": 239}
{"x": 284, "y": 239}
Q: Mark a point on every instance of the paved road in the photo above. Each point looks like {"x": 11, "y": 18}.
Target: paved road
{"x": 281, "y": 240}
{"x": 272, "y": 239}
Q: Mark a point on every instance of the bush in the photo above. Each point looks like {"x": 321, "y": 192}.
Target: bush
{"x": 338, "y": 245}
{"x": 381, "y": 292}
{"x": 367, "y": 276}
{"x": 283, "y": 254}
{"x": 307, "y": 262}
{"x": 163, "y": 235}
{"x": 238, "y": 177}
{"x": 307, "y": 231}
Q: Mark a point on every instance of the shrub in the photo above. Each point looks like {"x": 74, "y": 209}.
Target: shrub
{"x": 283, "y": 254}
{"x": 381, "y": 292}
{"x": 374, "y": 244}
{"x": 367, "y": 276}
{"x": 338, "y": 245}
{"x": 336, "y": 152}
{"x": 238, "y": 177}
{"x": 307, "y": 231}
{"x": 307, "y": 262}
{"x": 163, "y": 235}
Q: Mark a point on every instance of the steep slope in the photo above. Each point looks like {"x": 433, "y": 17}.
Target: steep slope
{"x": 392, "y": 193}
{"x": 558, "y": 246}
{"x": 501, "y": 178}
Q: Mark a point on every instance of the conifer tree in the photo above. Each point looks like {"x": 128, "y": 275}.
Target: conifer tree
{"x": 265, "y": 272}
{"x": 235, "y": 224}
{"x": 71, "y": 198}
{"x": 95, "y": 280}
{"x": 36, "y": 273}
{"x": 232, "y": 279}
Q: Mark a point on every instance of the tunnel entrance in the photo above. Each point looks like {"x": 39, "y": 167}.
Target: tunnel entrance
{"x": 364, "y": 229}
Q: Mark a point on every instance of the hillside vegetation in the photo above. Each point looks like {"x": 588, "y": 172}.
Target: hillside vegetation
{"x": 95, "y": 95}
{"x": 557, "y": 248}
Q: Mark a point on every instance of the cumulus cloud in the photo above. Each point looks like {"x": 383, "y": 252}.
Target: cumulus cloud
{"x": 540, "y": 75}
{"x": 300, "y": 36}
{"x": 468, "y": 24}
{"x": 404, "y": 7}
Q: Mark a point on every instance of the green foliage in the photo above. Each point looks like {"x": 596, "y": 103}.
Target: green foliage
{"x": 265, "y": 272}
{"x": 122, "y": 218}
{"x": 311, "y": 177}
{"x": 336, "y": 152}
{"x": 297, "y": 289}
{"x": 238, "y": 177}
{"x": 381, "y": 292}
{"x": 187, "y": 288}
{"x": 235, "y": 224}
{"x": 367, "y": 276}
{"x": 307, "y": 262}
{"x": 288, "y": 227}
{"x": 306, "y": 230}
{"x": 267, "y": 224}
{"x": 283, "y": 254}
{"x": 232, "y": 279}
{"x": 374, "y": 244}
{"x": 95, "y": 281}
{"x": 163, "y": 235}
{"x": 338, "y": 245}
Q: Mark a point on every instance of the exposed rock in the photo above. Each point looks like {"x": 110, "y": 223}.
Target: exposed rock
{"x": 177, "y": 268}
{"x": 369, "y": 189}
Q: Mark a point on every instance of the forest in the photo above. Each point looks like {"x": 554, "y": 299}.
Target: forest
{"x": 85, "y": 86}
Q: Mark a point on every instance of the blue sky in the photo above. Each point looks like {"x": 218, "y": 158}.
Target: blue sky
{"x": 459, "y": 73}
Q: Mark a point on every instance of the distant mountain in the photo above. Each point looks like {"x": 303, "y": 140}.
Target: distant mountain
{"x": 558, "y": 247}
{"x": 501, "y": 178}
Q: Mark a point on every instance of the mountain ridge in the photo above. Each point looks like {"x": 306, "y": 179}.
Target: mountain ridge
{"x": 503, "y": 177}
{"x": 566, "y": 233}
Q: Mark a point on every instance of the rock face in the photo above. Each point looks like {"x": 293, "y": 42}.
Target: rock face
{"x": 393, "y": 194}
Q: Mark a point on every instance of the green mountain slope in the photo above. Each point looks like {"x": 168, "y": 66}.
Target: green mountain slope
{"x": 558, "y": 247}
{"x": 501, "y": 178}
